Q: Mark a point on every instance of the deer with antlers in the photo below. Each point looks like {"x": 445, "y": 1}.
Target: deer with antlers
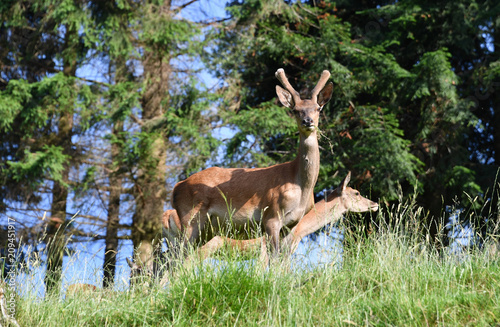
{"x": 247, "y": 198}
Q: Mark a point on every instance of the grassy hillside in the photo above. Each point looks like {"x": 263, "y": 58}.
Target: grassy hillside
{"x": 388, "y": 278}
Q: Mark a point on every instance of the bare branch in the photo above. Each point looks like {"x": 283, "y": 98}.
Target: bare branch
{"x": 93, "y": 81}
{"x": 178, "y": 9}
{"x": 137, "y": 120}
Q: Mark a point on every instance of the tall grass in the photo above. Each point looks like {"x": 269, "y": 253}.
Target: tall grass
{"x": 391, "y": 277}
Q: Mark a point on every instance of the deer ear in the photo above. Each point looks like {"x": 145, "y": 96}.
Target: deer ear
{"x": 285, "y": 97}
{"x": 346, "y": 180}
{"x": 131, "y": 264}
{"x": 325, "y": 94}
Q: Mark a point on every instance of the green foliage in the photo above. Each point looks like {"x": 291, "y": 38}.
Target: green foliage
{"x": 379, "y": 150}
{"x": 31, "y": 114}
{"x": 167, "y": 35}
{"x": 33, "y": 106}
{"x": 123, "y": 98}
{"x": 11, "y": 103}
{"x": 463, "y": 182}
{"x": 36, "y": 166}
{"x": 435, "y": 76}
{"x": 255, "y": 126}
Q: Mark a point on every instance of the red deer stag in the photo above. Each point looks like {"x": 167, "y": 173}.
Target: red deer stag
{"x": 244, "y": 198}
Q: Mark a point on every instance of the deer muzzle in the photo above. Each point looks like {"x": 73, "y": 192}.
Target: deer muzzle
{"x": 308, "y": 123}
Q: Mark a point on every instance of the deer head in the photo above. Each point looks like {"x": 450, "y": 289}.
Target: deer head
{"x": 306, "y": 111}
{"x": 135, "y": 269}
{"x": 350, "y": 199}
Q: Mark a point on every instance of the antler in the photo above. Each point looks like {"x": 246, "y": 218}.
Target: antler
{"x": 325, "y": 75}
{"x": 280, "y": 75}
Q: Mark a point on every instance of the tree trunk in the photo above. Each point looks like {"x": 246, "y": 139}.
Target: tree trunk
{"x": 115, "y": 186}
{"x": 56, "y": 240}
{"x": 55, "y": 234}
{"x": 150, "y": 186}
{"x": 111, "y": 240}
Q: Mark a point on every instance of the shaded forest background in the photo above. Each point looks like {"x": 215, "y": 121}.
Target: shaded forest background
{"x": 415, "y": 111}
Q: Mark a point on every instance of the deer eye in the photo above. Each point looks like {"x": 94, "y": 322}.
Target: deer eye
{"x": 356, "y": 193}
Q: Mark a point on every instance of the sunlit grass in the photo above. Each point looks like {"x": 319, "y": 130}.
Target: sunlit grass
{"x": 391, "y": 277}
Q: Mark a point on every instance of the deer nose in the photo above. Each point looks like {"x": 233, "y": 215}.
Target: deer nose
{"x": 307, "y": 122}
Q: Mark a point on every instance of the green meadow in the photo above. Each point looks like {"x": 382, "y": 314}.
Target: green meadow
{"x": 389, "y": 277}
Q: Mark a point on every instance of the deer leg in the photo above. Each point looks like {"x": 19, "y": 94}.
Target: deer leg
{"x": 273, "y": 227}
{"x": 305, "y": 227}
{"x": 193, "y": 222}
{"x": 205, "y": 251}
{"x": 264, "y": 258}
{"x": 211, "y": 247}
{"x": 244, "y": 246}
{"x": 251, "y": 246}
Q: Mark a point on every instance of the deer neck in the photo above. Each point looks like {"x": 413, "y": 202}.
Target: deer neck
{"x": 307, "y": 163}
{"x": 331, "y": 210}
{"x": 324, "y": 212}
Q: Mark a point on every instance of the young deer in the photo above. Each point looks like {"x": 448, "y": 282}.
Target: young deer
{"x": 274, "y": 196}
{"x": 341, "y": 200}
